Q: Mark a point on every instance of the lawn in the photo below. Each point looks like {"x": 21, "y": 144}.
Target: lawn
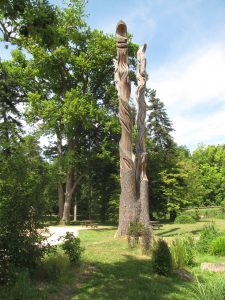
{"x": 111, "y": 270}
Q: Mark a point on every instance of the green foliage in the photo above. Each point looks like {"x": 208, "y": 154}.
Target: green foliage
{"x": 161, "y": 258}
{"x": 22, "y": 183}
{"x": 23, "y": 288}
{"x": 52, "y": 268}
{"x": 208, "y": 234}
{"x": 194, "y": 213}
{"x": 71, "y": 247}
{"x": 183, "y": 251}
{"x": 135, "y": 229}
{"x": 184, "y": 219}
{"x": 211, "y": 164}
{"x": 217, "y": 246}
{"x": 211, "y": 289}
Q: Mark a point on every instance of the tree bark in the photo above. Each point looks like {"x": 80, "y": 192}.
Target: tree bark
{"x": 61, "y": 197}
{"x": 141, "y": 161}
{"x": 68, "y": 194}
{"x": 127, "y": 211}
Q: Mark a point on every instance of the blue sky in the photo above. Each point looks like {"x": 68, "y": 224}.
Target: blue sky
{"x": 185, "y": 58}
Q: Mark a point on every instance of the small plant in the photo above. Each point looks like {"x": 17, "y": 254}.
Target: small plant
{"x": 71, "y": 247}
{"x": 135, "y": 231}
{"x": 217, "y": 246}
{"x": 183, "y": 251}
{"x": 184, "y": 219}
{"x": 208, "y": 233}
{"x": 161, "y": 258}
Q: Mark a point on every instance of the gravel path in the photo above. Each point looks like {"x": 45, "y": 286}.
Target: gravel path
{"x": 55, "y": 233}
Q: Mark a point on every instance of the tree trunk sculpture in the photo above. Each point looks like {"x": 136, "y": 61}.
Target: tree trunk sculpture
{"x": 127, "y": 210}
{"x": 133, "y": 178}
{"x": 141, "y": 160}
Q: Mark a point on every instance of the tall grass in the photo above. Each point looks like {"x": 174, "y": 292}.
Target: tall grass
{"x": 212, "y": 289}
{"x": 182, "y": 251}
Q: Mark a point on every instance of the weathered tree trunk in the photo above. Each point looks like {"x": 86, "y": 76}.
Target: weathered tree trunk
{"x": 60, "y": 199}
{"x": 68, "y": 194}
{"x": 60, "y": 185}
{"x": 127, "y": 210}
{"x": 141, "y": 161}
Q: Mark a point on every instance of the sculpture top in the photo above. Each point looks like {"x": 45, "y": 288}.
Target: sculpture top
{"x": 141, "y": 63}
{"x": 121, "y": 34}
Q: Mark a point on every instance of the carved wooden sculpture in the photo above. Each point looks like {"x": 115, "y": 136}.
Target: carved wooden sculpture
{"x": 141, "y": 115}
{"x": 127, "y": 170}
{"x": 141, "y": 160}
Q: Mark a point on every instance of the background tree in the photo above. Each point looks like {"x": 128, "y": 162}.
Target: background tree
{"x": 211, "y": 163}
{"x": 162, "y": 156}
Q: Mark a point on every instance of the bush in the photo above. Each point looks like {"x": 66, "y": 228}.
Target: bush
{"x": 183, "y": 251}
{"x": 161, "y": 258}
{"x": 194, "y": 213}
{"x": 208, "y": 233}
{"x": 22, "y": 206}
{"x": 21, "y": 289}
{"x": 71, "y": 247}
{"x": 135, "y": 231}
{"x": 184, "y": 219}
{"x": 217, "y": 246}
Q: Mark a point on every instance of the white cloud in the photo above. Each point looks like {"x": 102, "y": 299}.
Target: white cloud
{"x": 192, "y": 82}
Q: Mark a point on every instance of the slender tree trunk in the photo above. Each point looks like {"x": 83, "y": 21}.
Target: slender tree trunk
{"x": 127, "y": 209}
{"x": 60, "y": 199}
{"x": 60, "y": 185}
{"x": 68, "y": 194}
{"x": 75, "y": 209}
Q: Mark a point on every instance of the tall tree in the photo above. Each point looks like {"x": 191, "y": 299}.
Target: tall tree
{"x": 159, "y": 125}
{"x": 162, "y": 151}
{"x": 11, "y": 96}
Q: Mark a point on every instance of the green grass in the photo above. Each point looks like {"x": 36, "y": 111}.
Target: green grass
{"x": 171, "y": 229}
{"x": 111, "y": 270}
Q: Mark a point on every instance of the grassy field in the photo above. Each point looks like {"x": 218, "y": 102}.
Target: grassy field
{"x": 111, "y": 270}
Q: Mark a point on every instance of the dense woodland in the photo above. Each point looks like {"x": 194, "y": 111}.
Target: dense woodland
{"x": 59, "y": 84}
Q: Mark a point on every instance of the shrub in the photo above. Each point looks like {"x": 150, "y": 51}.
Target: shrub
{"x": 71, "y": 247}
{"x": 21, "y": 289}
{"x": 135, "y": 231}
{"x": 208, "y": 233}
{"x": 161, "y": 258}
{"x": 183, "y": 251}
{"x": 23, "y": 177}
{"x": 184, "y": 219}
{"x": 217, "y": 246}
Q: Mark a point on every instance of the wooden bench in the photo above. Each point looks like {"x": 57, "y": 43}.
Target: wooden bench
{"x": 155, "y": 224}
{"x": 89, "y": 223}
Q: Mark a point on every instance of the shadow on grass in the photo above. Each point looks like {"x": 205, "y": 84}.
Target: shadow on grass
{"x": 129, "y": 279}
{"x": 168, "y": 232}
